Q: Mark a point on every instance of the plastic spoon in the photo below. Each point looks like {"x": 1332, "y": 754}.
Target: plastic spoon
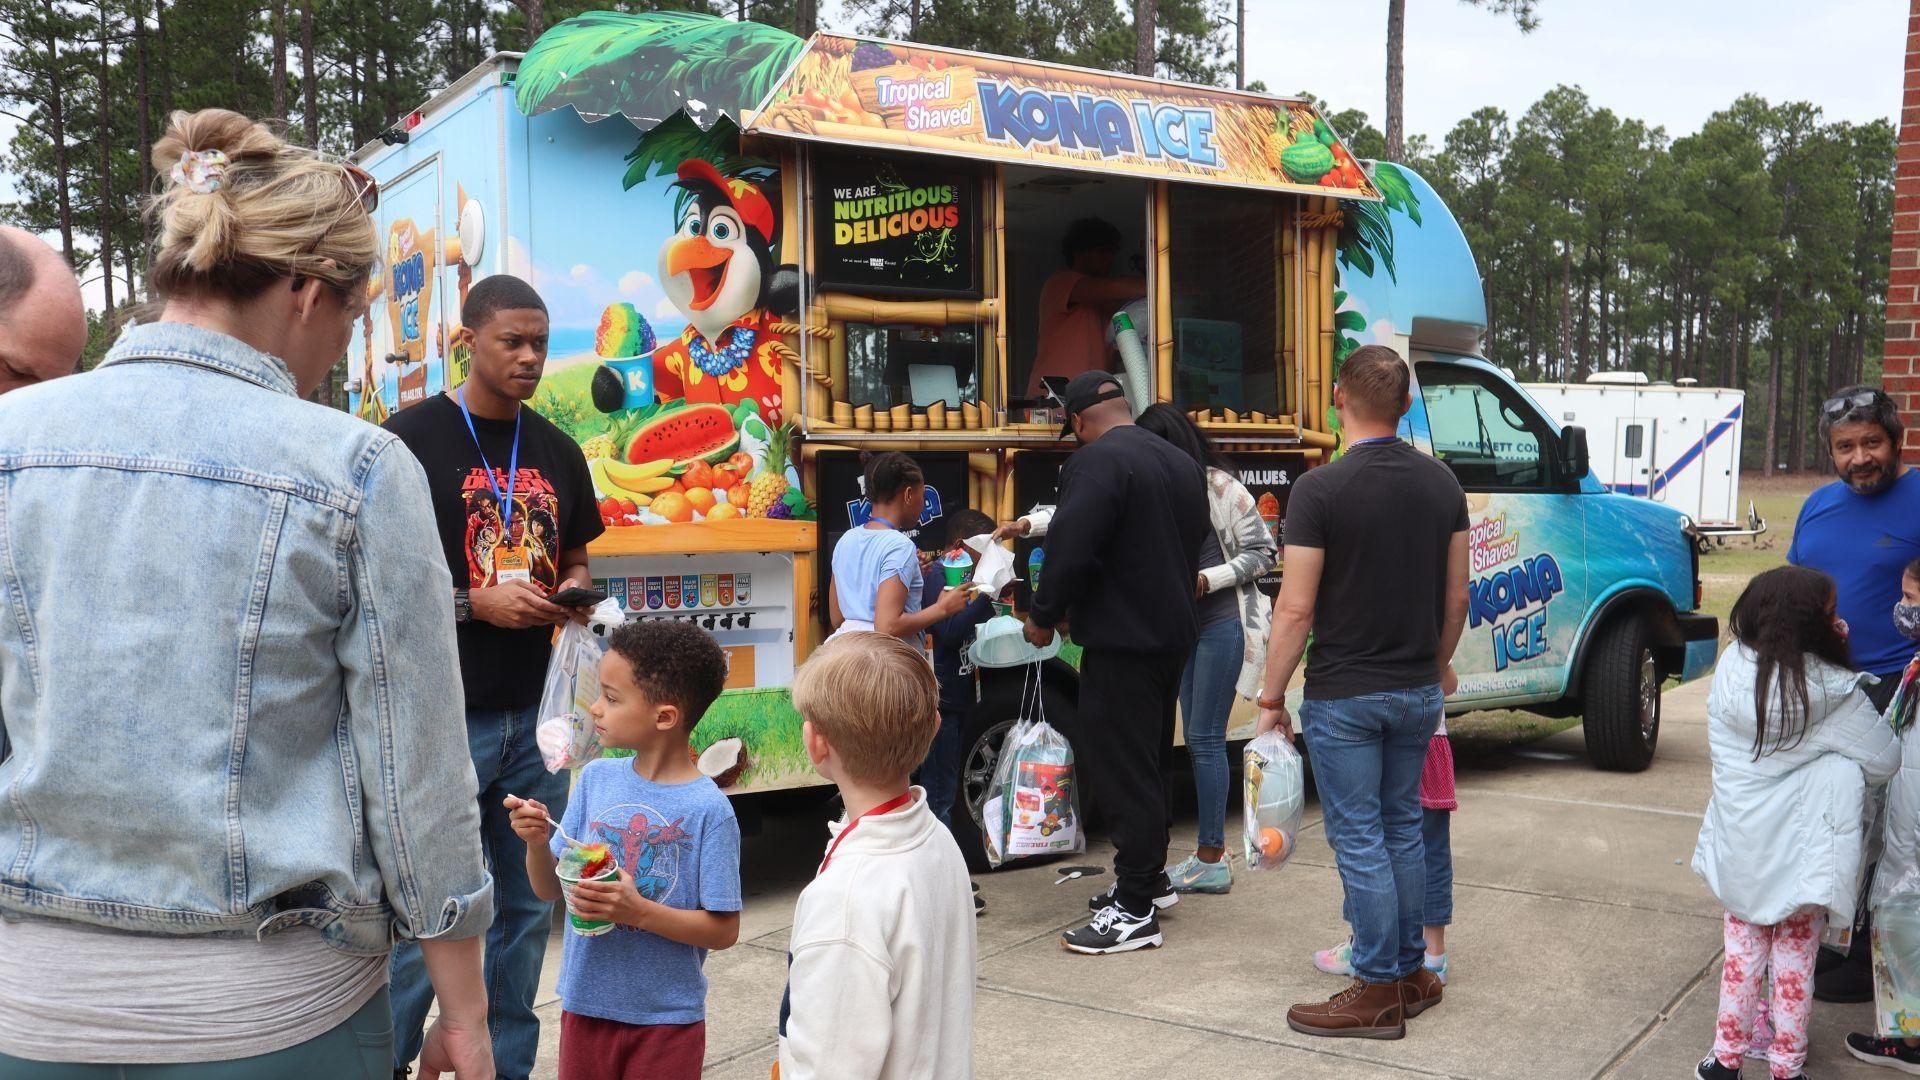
{"x": 550, "y": 821}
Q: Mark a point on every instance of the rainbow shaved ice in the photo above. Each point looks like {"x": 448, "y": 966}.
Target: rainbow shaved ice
{"x": 620, "y": 332}
{"x": 586, "y": 862}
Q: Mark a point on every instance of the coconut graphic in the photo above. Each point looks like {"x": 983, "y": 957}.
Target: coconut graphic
{"x": 724, "y": 761}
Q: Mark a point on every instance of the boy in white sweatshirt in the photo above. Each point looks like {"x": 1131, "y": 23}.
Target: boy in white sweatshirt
{"x": 881, "y": 966}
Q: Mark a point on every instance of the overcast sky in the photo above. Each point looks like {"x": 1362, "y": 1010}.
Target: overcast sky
{"x": 1668, "y": 62}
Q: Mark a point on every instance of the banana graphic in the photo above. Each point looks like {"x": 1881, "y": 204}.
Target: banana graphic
{"x": 632, "y": 477}
{"x": 640, "y": 491}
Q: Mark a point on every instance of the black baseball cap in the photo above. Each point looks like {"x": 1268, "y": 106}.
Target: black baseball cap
{"x": 1087, "y": 389}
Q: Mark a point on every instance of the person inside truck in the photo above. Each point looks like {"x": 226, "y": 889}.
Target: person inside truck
{"x": 1076, "y": 302}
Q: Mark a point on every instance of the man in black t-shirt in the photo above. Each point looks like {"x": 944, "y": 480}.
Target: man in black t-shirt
{"x": 514, "y": 503}
{"x": 1123, "y": 550}
{"x": 1376, "y": 567}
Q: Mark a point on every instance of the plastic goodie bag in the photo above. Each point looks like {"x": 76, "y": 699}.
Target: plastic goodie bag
{"x": 1033, "y": 807}
{"x": 1276, "y": 800}
{"x": 565, "y": 734}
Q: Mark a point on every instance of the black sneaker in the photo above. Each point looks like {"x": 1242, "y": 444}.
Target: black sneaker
{"x": 1166, "y": 899}
{"x": 979, "y": 902}
{"x": 1849, "y": 982}
{"x": 1892, "y": 1053}
{"x": 1114, "y": 929}
{"x": 1711, "y": 1069}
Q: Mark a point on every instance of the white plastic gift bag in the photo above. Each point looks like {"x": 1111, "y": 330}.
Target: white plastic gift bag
{"x": 1275, "y": 802}
{"x": 994, "y": 570}
{"x": 1034, "y": 805}
{"x": 565, "y": 733}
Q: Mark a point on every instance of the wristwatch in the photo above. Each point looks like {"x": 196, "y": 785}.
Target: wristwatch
{"x": 462, "y": 606}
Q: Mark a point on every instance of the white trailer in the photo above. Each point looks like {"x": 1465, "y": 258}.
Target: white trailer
{"x": 1673, "y": 444}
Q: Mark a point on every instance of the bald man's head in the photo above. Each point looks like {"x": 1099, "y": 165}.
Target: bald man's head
{"x": 43, "y": 324}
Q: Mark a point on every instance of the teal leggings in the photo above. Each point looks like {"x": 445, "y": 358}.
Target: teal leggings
{"x": 360, "y": 1047}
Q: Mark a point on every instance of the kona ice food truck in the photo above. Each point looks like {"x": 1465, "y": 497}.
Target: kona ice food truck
{"x": 764, "y": 255}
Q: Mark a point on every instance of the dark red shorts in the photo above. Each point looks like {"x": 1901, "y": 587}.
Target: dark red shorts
{"x": 596, "y": 1049}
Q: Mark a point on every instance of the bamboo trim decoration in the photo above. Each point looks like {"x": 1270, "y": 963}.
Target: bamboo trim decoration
{"x": 1282, "y": 346}
{"x": 1161, "y": 285}
{"x": 846, "y": 307}
{"x": 1309, "y": 332}
{"x": 996, "y": 275}
{"x": 1329, "y": 242}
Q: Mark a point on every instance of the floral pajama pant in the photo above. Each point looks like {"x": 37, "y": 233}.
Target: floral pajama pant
{"x": 1754, "y": 953}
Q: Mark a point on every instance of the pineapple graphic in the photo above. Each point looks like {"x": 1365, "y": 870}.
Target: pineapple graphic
{"x": 600, "y": 446}
{"x": 767, "y": 495}
{"x": 612, "y": 442}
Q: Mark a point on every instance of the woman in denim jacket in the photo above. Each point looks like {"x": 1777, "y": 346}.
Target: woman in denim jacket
{"x": 239, "y": 765}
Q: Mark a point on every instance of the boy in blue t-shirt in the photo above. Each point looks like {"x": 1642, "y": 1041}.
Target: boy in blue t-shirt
{"x": 634, "y": 999}
{"x": 940, "y": 773}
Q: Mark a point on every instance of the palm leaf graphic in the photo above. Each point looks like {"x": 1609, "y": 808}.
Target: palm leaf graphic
{"x": 647, "y": 67}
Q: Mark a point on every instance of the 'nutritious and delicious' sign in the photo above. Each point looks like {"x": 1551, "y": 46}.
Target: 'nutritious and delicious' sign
{"x": 884, "y": 225}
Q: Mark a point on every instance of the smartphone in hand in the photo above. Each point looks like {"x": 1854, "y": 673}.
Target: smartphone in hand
{"x": 575, "y": 596}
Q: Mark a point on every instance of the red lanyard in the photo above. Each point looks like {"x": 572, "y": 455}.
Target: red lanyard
{"x": 887, "y": 807}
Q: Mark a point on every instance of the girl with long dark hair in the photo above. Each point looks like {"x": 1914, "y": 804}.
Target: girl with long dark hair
{"x": 1795, "y": 745}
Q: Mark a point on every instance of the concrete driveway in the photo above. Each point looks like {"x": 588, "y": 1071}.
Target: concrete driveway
{"x": 1583, "y": 946}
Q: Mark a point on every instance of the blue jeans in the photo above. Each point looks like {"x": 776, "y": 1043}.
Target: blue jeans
{"x": 1206, "y": 697}
{"x": 1436, "y": 844}
{"x": 940, "y": 773}
{"x": 1367, "y": 756}
{"x": 507, "y": 761}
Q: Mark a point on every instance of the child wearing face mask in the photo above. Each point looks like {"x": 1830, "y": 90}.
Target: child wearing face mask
{"x": 1895, "y": 897}
{"x": 1795, "y": 745}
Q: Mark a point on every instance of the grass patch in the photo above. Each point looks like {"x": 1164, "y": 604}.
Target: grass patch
{"x": 766, "y": 722}
{"x": 1726, "y": 569}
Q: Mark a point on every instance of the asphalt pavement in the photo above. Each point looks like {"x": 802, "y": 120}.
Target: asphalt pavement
{"x": 1583, "y": 946}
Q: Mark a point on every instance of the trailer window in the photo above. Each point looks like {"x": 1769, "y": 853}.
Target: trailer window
{"x": 1223, "y": 258}
{"x": 1485, "y": 431}
{"x": 889, "y": 365}
{"x": 1636, "y": 435}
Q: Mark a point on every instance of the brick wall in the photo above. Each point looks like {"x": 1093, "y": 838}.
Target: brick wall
{"x": 1901, "y": 372}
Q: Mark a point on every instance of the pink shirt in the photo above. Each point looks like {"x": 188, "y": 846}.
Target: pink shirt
{"x": 1072, "y": 339}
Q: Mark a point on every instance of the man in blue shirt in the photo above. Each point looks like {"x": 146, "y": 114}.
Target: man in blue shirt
{"x": 1862, "y": 530}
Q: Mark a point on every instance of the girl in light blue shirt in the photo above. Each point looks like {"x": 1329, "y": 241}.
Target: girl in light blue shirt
{"x": 877, "y": 578}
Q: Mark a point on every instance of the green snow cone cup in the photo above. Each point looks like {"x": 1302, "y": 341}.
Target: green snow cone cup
{"x": 569, "y": 877}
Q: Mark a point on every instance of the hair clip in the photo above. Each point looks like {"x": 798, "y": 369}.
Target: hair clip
{"x": 200, "y": 171}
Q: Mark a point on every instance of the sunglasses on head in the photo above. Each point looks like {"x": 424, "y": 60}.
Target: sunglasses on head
{"x": 366, "y": 197}
{"x": 1837, "y": 407}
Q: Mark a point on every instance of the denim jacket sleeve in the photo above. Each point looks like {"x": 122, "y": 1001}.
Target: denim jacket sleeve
{"x": 407, "y": 715}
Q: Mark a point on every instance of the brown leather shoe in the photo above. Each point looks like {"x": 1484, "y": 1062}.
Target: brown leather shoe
{"x": 1420, "y": 991}
{"x": 1362, "y": 1011}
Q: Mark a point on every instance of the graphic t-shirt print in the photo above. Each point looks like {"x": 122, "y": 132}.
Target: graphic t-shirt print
{"x": 646, "y": 845}
{"x": 535, "y": 526}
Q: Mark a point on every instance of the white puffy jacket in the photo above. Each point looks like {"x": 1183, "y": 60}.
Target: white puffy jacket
{"x": 1897, "y": 881}
{"x": 1785, "y": 831}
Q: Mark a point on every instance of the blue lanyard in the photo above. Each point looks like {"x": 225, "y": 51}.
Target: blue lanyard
{"x": 871, "y": 516}
{"x": 1375, "y": 441}
{"x": 505, "y": 502}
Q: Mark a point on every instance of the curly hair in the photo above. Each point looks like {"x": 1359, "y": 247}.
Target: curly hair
{"x": 674, "y": 663}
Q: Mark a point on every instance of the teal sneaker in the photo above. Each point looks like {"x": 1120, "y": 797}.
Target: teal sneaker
{"x": 1192, "y": 875}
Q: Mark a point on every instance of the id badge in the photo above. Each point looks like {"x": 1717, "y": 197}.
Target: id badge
{"x": 510, "y": 564}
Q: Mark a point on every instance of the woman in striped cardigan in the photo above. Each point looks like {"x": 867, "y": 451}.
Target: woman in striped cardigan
{"x": 1231, "y": 655}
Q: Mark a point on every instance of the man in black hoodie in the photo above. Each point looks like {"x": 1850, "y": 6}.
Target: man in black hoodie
{"x": 1122, "y": 553}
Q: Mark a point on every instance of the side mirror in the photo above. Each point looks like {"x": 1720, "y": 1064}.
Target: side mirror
{"x": 1573, "y": 451}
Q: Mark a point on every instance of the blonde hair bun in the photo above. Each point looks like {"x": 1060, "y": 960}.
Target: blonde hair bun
{"x": 279, "y": 210}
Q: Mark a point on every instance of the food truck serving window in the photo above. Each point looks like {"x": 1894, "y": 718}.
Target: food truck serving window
{"x": 1226, "y": 304}
{"x": 889, "y": 226}
{"x": 890, "y": 365}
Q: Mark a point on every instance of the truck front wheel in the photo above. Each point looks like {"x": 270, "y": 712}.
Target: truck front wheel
{"x": 1622, "y": 689}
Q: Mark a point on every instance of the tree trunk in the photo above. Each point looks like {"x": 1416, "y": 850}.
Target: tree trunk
{"x": 1773, "y": 383}
{"x": 1396, "y": 79}
{"x": 806, "y": 17}
{"x": 143, "y": 115}
{"x": 1145, "y": 48}
{"x": 280, "y": 60}
{"x": 1584, "y": 351}
{"x": 1240, "y": 45}
{"x": 165, "y": 57}
{"x": 537, "y": 19}
{"x": 1796, "y": 419}
{"x": 1565, "y": 359}
{"x": 104, "y": 105}
{"x": 57, "y": 131}
{"x": 309, "y": 85}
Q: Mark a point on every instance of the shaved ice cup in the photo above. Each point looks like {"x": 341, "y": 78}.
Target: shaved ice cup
{"x": 583, "y": 926}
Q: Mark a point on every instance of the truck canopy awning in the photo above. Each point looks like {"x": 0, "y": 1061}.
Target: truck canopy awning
{"x": 648, "y": 67}
{"x": 886, "y": 95}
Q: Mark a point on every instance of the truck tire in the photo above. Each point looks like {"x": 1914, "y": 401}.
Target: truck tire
{"x": 1622, "y": 689}
{"x": 987, "y": 727}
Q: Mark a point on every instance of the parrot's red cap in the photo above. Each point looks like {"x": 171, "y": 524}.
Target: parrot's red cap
{"x": 745, "y": 195}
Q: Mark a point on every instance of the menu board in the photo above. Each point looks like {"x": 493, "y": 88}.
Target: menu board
{"x": 891, "y": 226}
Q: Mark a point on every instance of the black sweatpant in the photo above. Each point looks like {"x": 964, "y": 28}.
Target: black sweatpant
{"x": 1127, "y": 702}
